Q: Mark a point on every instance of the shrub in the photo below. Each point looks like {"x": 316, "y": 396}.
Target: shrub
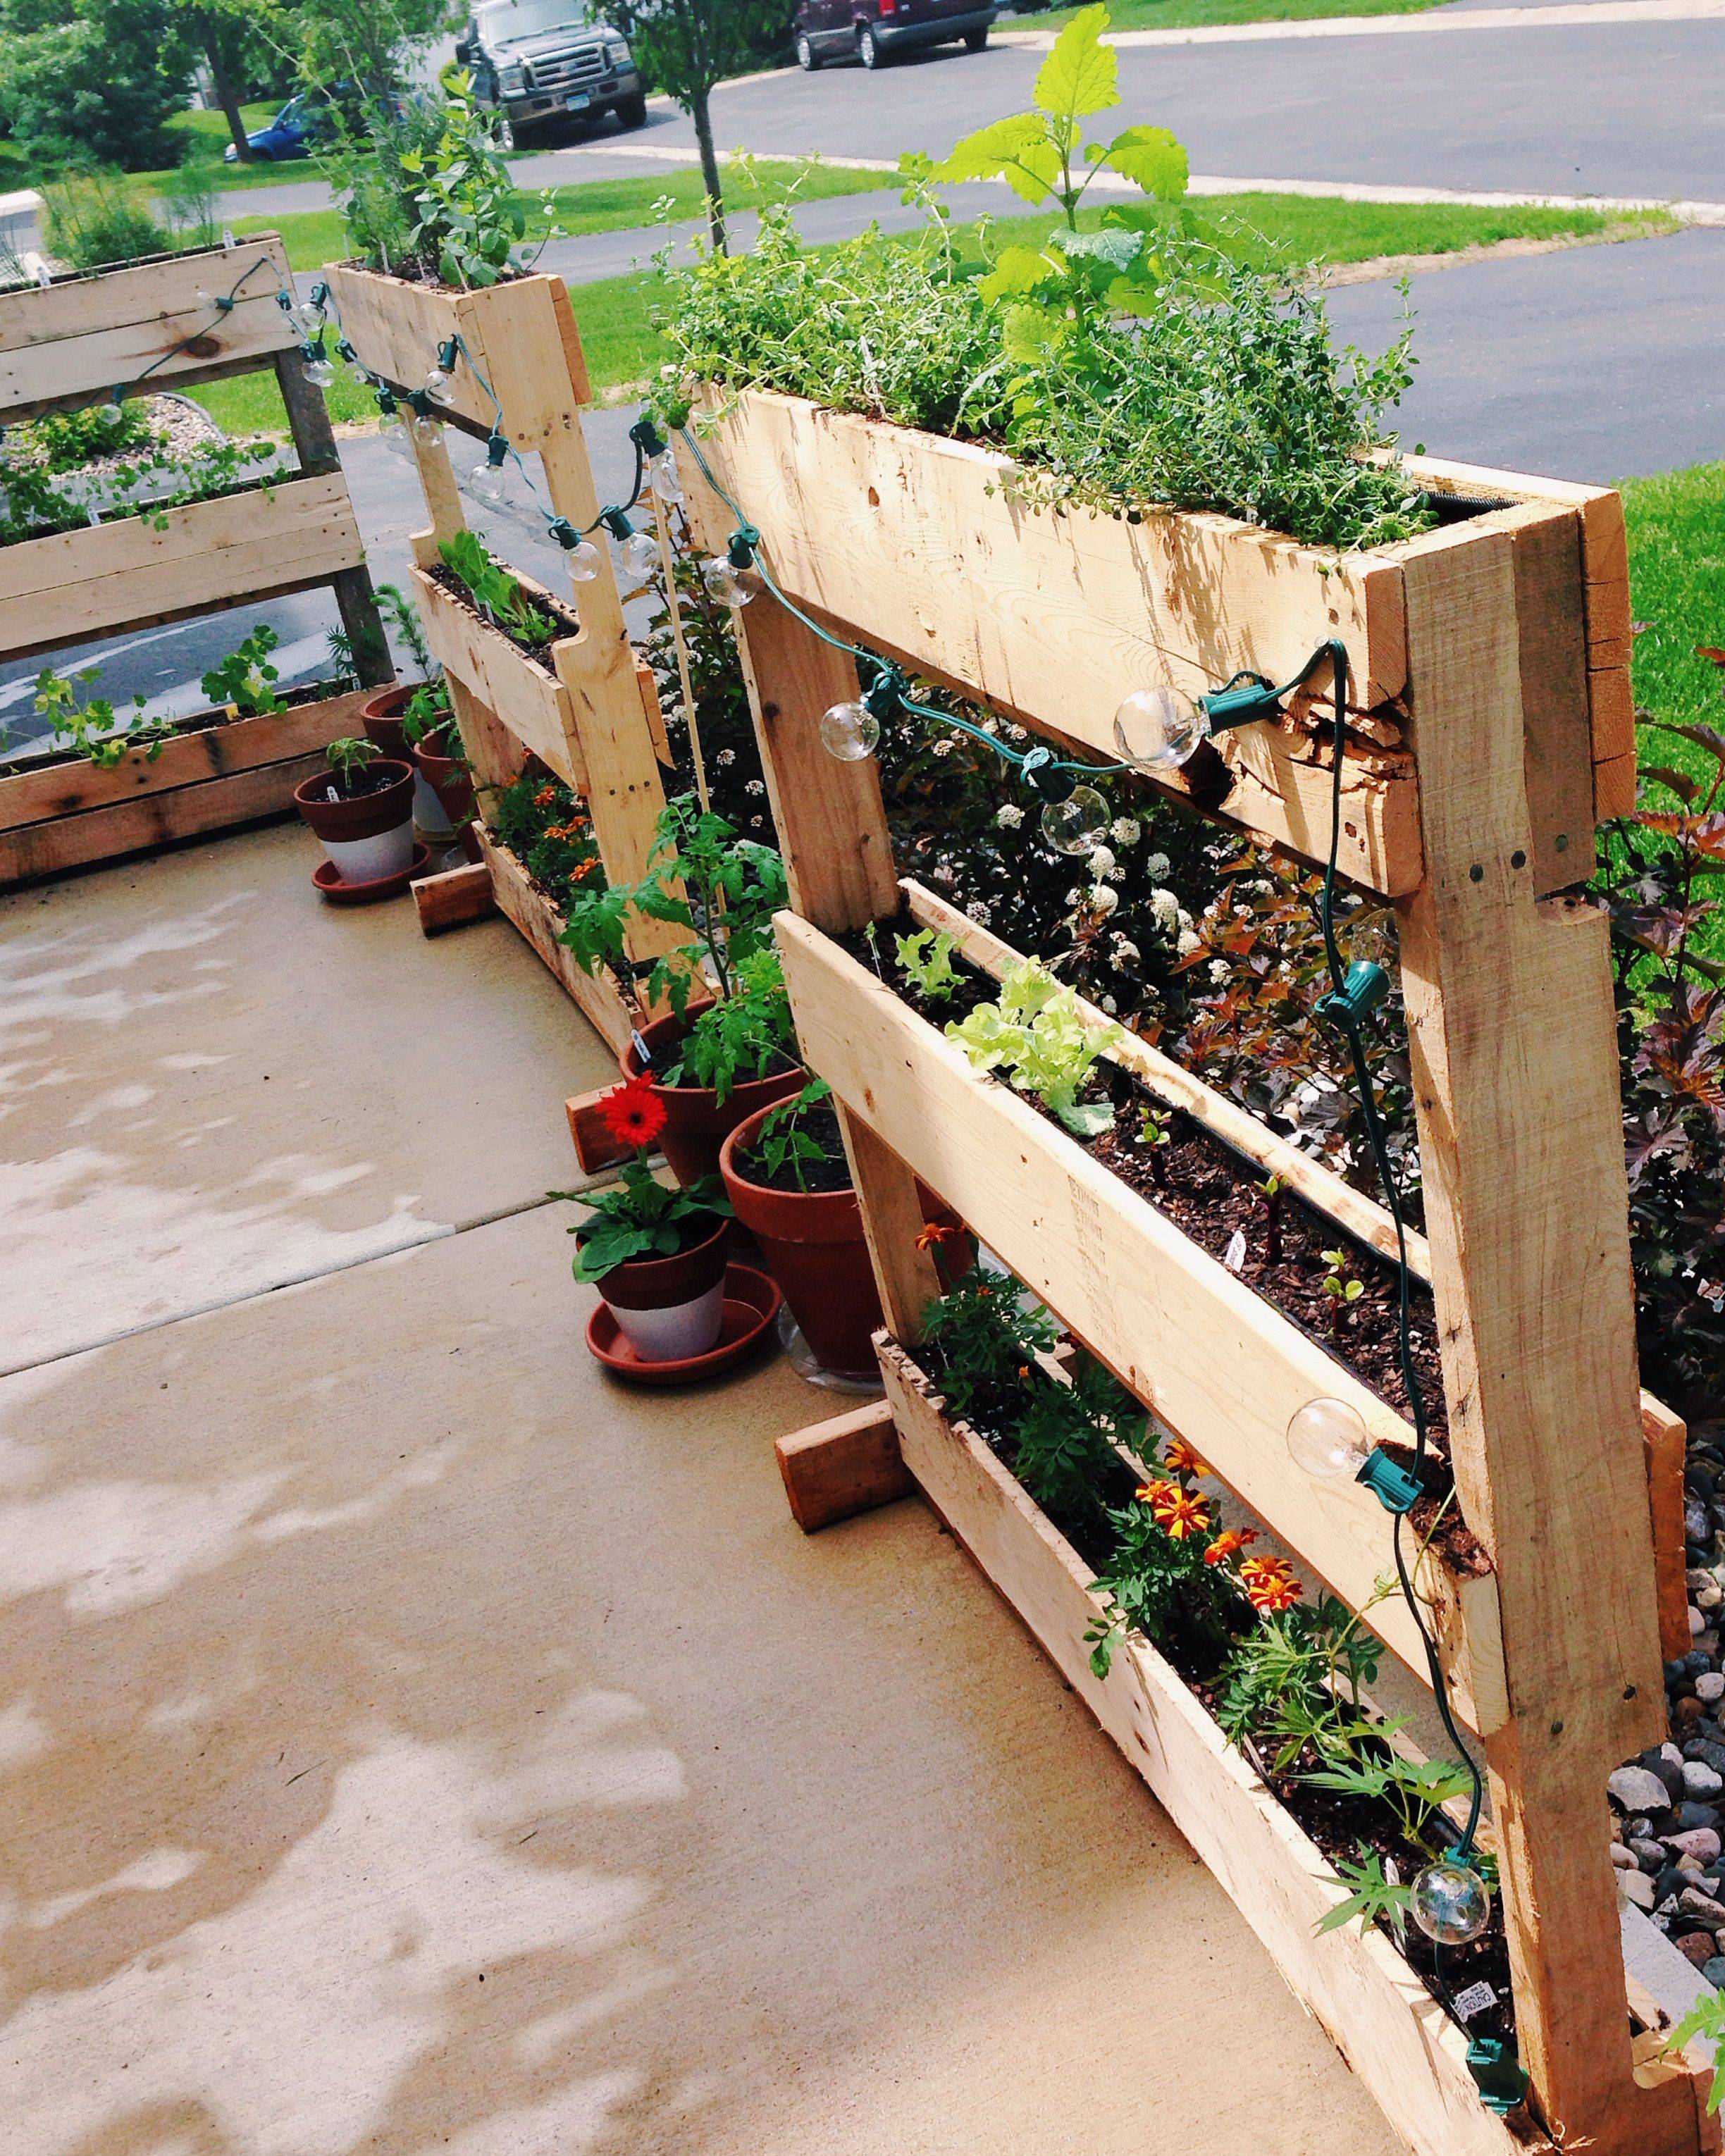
{"x": 94, "y": 219}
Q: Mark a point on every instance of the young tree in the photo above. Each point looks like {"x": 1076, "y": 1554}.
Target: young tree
{"x": 688, "y": 46}
{"x": 91, "y": 82}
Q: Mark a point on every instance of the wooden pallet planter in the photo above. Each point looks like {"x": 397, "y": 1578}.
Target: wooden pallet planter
{"x": 592, "y": 715}
{"x": 155, "y": 326}
{"x": 541, "y": 924}
{"x": 1393, "y": 2033}
{"x": 101, "y": 579}
{"x": 1480, "y": 749}
{"x": 66, "y": 815}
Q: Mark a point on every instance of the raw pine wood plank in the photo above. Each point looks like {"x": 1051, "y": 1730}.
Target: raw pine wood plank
{"x": 68, "y": 789}
{"x": 62, "y": 344}
{"x": 597, "y": 1148}
{"x": 1390, "y": 2031}
{"x": 100, "y": 579}
{"x": 531, "y": 703}
{"x": 1514, "y": 1059}
{"x": 1556, "y": 723}
{"x": 453, "y": 898}
{"x": 848, "y": 1463}
{"x": 540, "y": 924}
{"x": 153, "y": 819}
{"x": 1055, "y": 618}
{"x": 1666, "y": 1437}
{"x": 829, "y": 816}
{"x": 1136, "y": 1289}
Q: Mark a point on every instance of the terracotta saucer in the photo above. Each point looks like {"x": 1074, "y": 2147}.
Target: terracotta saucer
{"x": 752, "y": 1301}
{"x": 338, "y": 893}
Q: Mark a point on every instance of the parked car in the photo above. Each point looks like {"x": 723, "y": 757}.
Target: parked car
{"x": 537, "y": 63}
{"x": 288, "y": 135}
{"x": 876, "y": 31}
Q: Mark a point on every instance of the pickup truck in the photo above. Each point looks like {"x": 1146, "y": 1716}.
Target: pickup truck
{"x": 541, "y": 64}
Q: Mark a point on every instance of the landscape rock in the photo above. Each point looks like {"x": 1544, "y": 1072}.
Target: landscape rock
{"x": 1701, "y": 1842}
{"x": 1715, "y": 1972}
{"x": 1640, "y": 1790}
{"x": 1702, "y": 1780}
{"x": 1692, "y": 1902}
{"x": 1637, "y": 1887}
{"x": 1698, "y": 1947}
{"x": 1710, "y": 1685}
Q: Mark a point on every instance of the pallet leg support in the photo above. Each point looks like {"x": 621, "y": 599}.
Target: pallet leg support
{"x": 453, "y": 899}
{"x": 847, "y": 1464}
{"x": 596, "y": 1147}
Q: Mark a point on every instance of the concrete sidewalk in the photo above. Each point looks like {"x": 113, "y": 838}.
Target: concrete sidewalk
{"x": 410, "y": 1742}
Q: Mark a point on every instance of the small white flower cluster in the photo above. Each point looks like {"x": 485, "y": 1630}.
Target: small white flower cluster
{"x": 1219, "y": 970}
{"x": 726, "y": 758}
{"x": 1125, "y": 831}
{"x": 1102, "y": 862}
{"x": 755, "y": 786}
{"x": 1123, "y": 951}
{"x": 1188, "y": 942}
{"x": 1008, "y": 816}
{"x": 1157, "y": 867}
{"x": 1103, "y": 900}
{"x": 945, "y": 745}
{"x": 977, "y": 912}
{"x": 1164, "y": 908}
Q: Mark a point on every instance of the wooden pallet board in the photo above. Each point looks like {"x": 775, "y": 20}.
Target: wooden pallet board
{"x": 100, "y": 579}
{"x": 1137, "y": 1290}
{"x": 1375, "y": 2010}
{"x": 1055, "y": 618}
{"x": 525, "y": 696}
{"x": 71, "y": 815}
{"x": 540, "y": 923}
{"x": 65, "y": 343}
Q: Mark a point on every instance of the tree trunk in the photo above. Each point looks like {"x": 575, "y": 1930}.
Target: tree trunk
{"x": 227, "y": 92}
{"x": 703, "y": 119}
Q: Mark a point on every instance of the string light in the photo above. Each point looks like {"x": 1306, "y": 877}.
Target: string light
{"x": 319, "y": 368}
{"x": 489, "y": 478}
{"x": 1328, "y": 1439}
{"x": 440, "y": 384}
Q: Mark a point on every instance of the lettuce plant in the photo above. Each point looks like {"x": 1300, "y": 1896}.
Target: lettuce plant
{"x": 1036, "y": 1036}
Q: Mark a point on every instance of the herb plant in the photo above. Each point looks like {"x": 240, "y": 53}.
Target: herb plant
{"x": 244, "y": 679}
{"x": 1122, "y": 367}
{"x": 1034, "y": 1034}
{"x": 95, "y": 730}
{"x": 350, "y": 760}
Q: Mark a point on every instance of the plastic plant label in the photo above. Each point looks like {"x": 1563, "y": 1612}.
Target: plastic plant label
{"x": 1233, "y": 1257}
{"x": 1475, "y": 2000}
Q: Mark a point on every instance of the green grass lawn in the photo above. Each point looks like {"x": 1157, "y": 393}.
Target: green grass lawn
{"x": 1188, "y": 14}
{"x": 1677, "y": 537}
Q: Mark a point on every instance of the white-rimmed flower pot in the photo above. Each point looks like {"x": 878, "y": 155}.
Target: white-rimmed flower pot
{"x": 671, "y": 1309}
{"x": 369, "y": 835}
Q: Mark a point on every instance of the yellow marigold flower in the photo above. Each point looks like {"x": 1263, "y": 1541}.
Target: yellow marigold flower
{"x": 1183, "y": 1514}
{"x": 1156, "y": 1491}
{"x": 1270, "y": 1583}
{"x": 1180, "y": 1456}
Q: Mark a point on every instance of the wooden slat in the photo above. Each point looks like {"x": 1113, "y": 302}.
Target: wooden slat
{"x": 1136, "y": 1289}
{"x": 153, "y": 819}
{"x": 100, "y": 579}
{"x": 61, "y": 344}
{"x": 530, "y": 701}
{"x": 596, "y": 1147}
{"x": 540, "y": 924}
{"x": 1055, "y": 618}
{"x": 68, "y": 789}
{"x": 1513, "y": 1050}
{"x": 1393, "y": 2035}
{"x": 1556, "y": 725}
{"x": 847, "y": 1464}
{"x": 654, "y": 711}
{"x": 453, "y": 898}
{"x": 1666, "y": 1437}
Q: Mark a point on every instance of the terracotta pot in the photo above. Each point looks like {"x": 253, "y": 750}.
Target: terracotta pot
{"x": 382, "y": 716}
{"x": 813, "y": 1243}
{"x": 697, "y": 1123}
{"x": 671, "y": 1308}
{"x": 449, "y": 780}
{"x": 371, "y": 835}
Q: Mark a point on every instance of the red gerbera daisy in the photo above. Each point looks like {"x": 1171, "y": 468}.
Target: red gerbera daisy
{"x": 633, "y": 1113}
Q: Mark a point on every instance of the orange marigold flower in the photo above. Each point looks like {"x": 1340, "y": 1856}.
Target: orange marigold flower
{"x": 1180, "y": 1456}
{"x": 1156, "y": 1490}
{"x": 1270, "y": 1583}
{"x": 545, "y": 797}
{"x": 1183, "y": 1514}
{"x": 582, "y": 871}
{"x": 938, "y": 1231}
{"x": 633, "y": 1113}
{"x": 1228, "y": 1543}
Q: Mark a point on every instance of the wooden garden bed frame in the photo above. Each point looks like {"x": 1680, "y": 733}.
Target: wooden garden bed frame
{"x": 67, "y": 815}
{"x": 592, "y": 715}
{"x": 1486, "y": 736}
{"x": 69, "y": 344}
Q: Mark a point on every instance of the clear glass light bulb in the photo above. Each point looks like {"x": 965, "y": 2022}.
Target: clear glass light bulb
{"x": 489, "y": 482}
{"x": 1450, "y": 1903}
{"x": 323, "y": 372}
{"x": 1328, "y": 1438}
{"x": 584, "y": 560}
{"x": 662, "y": 475}
{"x": 426, "y": 429}
{"x": 1370, "y": 938}
{"x": 437, "y": 385}
{"x": 724, "y": 584}
{"x": 849, "y": 731}
{"x": 1075, "y": 825}
{"x": 307, "y": 321}
{"x": 110, "y": 415}
{"x": 641, "y": 555}
{"x": 1157, "y": 729}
